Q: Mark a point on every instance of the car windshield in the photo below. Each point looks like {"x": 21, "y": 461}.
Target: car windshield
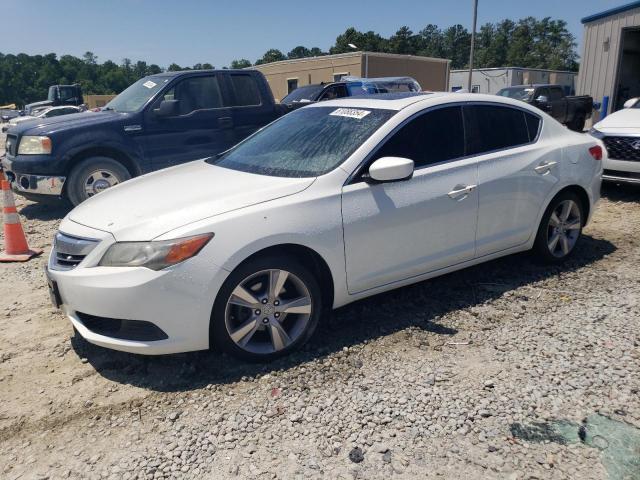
{"x": 519, "y": 93}
{"x": 136, "y": 96}
{"x": 305, "y": 143}
{"x": 301, "y": 94}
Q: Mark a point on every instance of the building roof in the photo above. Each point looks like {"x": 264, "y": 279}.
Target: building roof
{"x": 611, "y": 11}
{"x": 348, "y": 55}
{"x": 488, "y": 69}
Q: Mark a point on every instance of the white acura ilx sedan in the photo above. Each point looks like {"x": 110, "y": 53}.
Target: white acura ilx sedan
{"x": 329, "y": 204}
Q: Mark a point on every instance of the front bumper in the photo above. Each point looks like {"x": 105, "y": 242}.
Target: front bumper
{"x": 177, "y": 300}
{"x": 623, "y": 171}
{"x": 33, "y": 184}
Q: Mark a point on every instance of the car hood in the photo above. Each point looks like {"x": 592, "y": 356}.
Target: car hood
{"x": 149, "y": 206}
{"x": 627, "y": 119}
{"x": 48, "y": 126}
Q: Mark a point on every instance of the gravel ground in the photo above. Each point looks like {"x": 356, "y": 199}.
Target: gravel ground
{"x": 429, "y": 381}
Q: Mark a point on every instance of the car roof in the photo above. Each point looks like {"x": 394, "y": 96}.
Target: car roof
{"x": 399, "y": 101}
{"x": 190, "y": 72}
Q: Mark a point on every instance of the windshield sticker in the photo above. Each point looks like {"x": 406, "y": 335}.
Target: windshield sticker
{"x": 351, "y": 113}
{"x": 149, "y": 84}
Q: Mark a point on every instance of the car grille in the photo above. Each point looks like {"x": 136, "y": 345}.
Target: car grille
{"x": 12, "y": 144}
{"x": 69, "y": 251}
{"x": 623, "y": 148}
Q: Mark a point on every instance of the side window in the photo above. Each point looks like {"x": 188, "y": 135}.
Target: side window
{"x": 542, "y": 92}
{"x": 533, "y": 125}
{"x": 196, "y": 93}
{"x": 433, "y": 137}
{"x": 492, "y": 127}
{"x": 555, "y": 94}
{"x": 333, "y": 92}
{"x": 246, "y": 90}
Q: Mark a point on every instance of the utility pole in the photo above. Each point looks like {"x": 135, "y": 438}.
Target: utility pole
{"x": 473, "y": 42}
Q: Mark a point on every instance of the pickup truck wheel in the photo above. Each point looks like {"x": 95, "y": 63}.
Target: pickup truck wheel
{"x": 266, "y": 308}
{"x": 93, "y": 175}
{"x": 578, "y": 123}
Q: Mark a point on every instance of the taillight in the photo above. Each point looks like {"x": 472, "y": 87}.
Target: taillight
{"x": 596, "y": 152}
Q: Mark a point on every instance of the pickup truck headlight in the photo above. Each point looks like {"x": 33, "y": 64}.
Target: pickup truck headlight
{"x": 154, "y": 255}
{"x": 34, "y": 145}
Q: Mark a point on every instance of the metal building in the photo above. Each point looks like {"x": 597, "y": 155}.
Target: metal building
{"x": 287, "y": 75}
{"x": 490, "y": 80}
{"x": 610, "y": 64}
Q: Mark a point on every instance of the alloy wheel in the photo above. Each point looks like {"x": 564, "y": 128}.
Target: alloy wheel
{"x": 563, "y": 229}
{"x": 268, "y": 311}
{"x": 98, "y": 181}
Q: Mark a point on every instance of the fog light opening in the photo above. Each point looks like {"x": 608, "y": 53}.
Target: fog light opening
{"x": 24, "y": 182}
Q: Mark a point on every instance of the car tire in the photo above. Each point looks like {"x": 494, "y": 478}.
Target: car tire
{"x": 93, "y": 175}
{"x": 578, "y": 122}
{"x": 254, "y": 316}
{"x": 560, "y": 229}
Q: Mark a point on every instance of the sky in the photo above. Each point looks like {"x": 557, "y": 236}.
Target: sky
{"x": 198, "y": 31}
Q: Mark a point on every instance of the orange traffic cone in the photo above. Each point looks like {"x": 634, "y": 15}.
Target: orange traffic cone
{"x": 16, "y": 248}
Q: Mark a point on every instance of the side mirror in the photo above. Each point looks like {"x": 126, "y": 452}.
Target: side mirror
{"x": 168, "y": 108}
{"x": 542, "y": 99}
{"x": 631, "y": 102}
{"x": 391, "y": 169}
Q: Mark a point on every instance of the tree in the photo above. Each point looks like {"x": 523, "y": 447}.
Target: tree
{"x": 368, "y": 42}
{"x": 404, "y": 42}
{"x": 299, "y": 52}
{"x": 272, "y": 55}
{"x": 242, "y": 63}
{"x": 174, "y": 67}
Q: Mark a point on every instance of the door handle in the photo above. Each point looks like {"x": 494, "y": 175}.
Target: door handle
{"x": 225, "y": 122}
{"x": 544, "y": 167}
{"x": 461, "y": 191}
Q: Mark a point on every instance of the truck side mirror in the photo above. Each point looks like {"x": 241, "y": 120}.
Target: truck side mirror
{"x": 542, "y": 99}
{"x": 168, "y": 108}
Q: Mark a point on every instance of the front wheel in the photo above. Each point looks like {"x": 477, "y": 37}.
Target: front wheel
{"x": 560, "y": 228}
{"x": 265, "y": 309}
{"x": 92, "y": 176}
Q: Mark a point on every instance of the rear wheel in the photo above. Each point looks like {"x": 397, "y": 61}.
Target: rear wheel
{"x": 265, "y": 309}
{"x": 577, "y": 125}
{"x": 560, "y": 228}
{"x": 92, "y": 176}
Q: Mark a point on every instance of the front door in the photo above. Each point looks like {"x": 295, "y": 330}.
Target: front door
{"x": 395, "y": 231}
{"x": 202, "y": 127}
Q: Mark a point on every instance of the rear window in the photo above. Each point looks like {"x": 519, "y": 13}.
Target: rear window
{"x": 533, "y": 125}
{"x": 245, "y": 89}
{"x": 493, "y": 127}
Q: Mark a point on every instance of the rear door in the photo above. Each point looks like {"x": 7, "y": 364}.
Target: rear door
{"x": 202, "y": 127}
{"x": 251, "y": 108}
{"x": 398, "y": 230}
{"x": 516, "y": 173}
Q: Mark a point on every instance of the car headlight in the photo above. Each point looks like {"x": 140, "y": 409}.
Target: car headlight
{"x": 34, "y": 145}
{"x": 154, "y": 255}
{"x": 596, "y": 133}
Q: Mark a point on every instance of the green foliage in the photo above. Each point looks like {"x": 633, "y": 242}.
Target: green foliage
{"x": 27, "y": 78}
{"x": 242, "y": 63}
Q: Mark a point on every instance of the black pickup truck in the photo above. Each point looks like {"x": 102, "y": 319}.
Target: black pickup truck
{"x": 159, "y": 121}
{"x": 572, "y": 111}
{"x": 58, "y": 95}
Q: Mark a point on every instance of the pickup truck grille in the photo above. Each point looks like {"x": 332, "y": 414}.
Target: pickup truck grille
{"x": 623, "y": 148}
{"x": 69, "y": 251}
{"x": 12, "y": 144}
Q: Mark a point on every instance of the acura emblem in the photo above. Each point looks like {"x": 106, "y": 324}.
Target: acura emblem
{"x": 635, "y": 145}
